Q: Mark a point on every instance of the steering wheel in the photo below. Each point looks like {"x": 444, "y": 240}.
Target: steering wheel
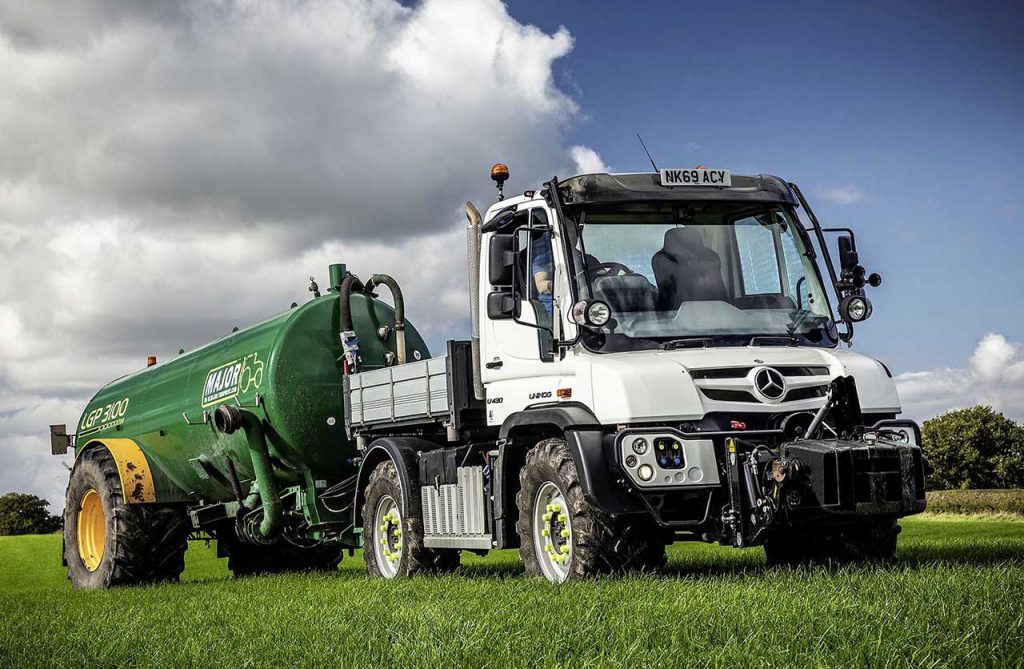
{"x": 603, "y": 269}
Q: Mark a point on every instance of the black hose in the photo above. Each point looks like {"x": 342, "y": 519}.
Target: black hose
{"x": 396, "y": 294}
{"x": 349, "y": 341}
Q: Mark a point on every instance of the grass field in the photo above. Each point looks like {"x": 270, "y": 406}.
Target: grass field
{"x": 956, "y": 598}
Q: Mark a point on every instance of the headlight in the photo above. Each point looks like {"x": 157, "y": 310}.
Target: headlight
{"x": 631, "y": 461}
{"x": 646, "y": 472}
{"x": 594, "y": 313}
{"x": 855, "y": 308}
{"x": 640, "y": 446}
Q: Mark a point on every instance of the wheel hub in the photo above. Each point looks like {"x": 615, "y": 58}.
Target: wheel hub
{"x": 92, "y": 530}
{"x": 552, "y": 533}
{"x": 387, "y": 536}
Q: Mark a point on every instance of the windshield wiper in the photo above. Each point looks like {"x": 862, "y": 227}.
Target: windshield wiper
{"x": 688, "y": 342}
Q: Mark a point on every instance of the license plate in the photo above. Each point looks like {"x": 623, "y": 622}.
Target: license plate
{"x": 696, "y": 177}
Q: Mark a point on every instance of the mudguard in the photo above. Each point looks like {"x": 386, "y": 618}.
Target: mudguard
{"x": 403, "y": 451}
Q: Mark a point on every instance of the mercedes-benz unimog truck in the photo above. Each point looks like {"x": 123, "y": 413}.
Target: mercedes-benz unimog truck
{"x": 654, "y": 357}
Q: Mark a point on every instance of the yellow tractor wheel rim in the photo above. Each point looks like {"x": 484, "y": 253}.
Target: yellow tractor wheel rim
{"x": 92, "y": 530}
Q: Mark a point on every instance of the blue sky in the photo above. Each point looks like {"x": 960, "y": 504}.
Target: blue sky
{"x": 917, "y": 107}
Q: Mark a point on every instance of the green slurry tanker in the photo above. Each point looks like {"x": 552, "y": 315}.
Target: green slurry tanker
{"x": 654, "y": 357}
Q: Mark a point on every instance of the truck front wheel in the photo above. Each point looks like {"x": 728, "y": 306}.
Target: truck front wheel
{"x": 108, "y": 542}
{"x": 562, "y": 536}
{"x": 393, "y": 538}
{"x": 865, "y": 542}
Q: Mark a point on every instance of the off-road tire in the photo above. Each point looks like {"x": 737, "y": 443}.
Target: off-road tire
{"x": 144, "y": 543}
{"x": 873, "y": 542}
{"x": 248, "y": 559}
{"x": 415, "y": 557}
{"x": 600, "y": 544}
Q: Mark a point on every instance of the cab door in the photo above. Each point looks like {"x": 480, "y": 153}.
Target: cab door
{"x": 518, "y": 366}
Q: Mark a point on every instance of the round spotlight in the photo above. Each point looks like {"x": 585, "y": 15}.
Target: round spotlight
{"x": 631, "y": 461}
{"x": 640, "y": 446}
{"x": 646, "y": 472}
{"x": 855, "y": 308}
{"x": 598, "y": 313}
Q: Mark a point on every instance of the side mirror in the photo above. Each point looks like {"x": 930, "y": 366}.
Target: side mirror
{"x": 502, "y": 305}
{"x": 501, "y": 259}
{"x": 848, "y": 258}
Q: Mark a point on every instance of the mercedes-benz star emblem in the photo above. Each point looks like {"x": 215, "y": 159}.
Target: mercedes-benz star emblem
{"x": 769, "y": 384}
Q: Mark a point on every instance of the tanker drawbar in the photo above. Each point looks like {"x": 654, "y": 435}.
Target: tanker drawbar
{"x": 652, "y": 357}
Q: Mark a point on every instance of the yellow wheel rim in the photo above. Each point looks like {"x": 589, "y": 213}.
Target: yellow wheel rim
{"x": 92, "y": 530}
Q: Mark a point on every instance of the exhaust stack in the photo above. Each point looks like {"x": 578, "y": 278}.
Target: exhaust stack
{"x": 473, "y": 236}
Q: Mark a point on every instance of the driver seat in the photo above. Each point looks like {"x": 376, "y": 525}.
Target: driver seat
{"x": 687, "y": 271}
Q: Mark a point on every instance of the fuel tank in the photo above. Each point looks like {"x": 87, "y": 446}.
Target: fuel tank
{"x": 286, "y": 370}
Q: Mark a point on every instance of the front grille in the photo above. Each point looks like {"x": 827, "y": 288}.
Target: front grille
{"x": 798, "y": 394}
{"x": 721, "y": 373}
{"x": 722, "y": 395}
{"x": 787, "y": 370}
{"x": 733, "y": 384}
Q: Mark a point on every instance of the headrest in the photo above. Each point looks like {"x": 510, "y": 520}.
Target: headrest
{"x": 678, "y": 239}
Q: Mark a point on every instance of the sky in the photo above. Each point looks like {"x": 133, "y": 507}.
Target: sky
{"x": 169, "y": 170}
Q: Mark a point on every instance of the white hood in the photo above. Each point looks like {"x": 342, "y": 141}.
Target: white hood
{"x": 661, "y": 385}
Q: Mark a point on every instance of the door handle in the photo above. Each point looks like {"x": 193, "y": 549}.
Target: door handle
{"x": 494, "y": 364}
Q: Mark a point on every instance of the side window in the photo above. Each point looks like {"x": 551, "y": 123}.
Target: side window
{"x": 542, "y": 266}
{"x": 759, "y": 262}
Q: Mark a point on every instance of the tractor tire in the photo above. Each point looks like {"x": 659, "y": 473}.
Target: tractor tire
{"x": 393, "y": 539}
{"x": 108, "y": 542}
{"x": 248, "y": 559}
{"x": 873, "y": 542}
{"x": 563, "y": 537}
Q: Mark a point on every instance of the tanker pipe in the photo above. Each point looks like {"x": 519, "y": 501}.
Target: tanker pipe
{"x": 228, "y": 419}
{"x": 396, "y": 295}
{"x": 349, "y": 341}
{"x": 473, "y": 241}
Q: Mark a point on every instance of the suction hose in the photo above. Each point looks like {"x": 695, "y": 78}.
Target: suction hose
{"x": 349, "y": 341}
{"x": 229, "y": 419}
{"x": 396, "y": 294}
{"x": 473, "y": 242}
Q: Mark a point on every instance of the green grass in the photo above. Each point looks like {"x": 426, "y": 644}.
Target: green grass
{"x": 956, "y": 598}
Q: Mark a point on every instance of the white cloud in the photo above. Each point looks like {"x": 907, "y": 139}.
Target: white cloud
{"x": 174, "y": 169}
{"x": 588, "y": 161}
{"x": 994, "y": 375}
{"x": 844, "y": 195}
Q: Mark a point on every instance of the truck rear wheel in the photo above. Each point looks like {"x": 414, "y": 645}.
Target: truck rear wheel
{"x": 247, "y": 559}
{"x": 562, "y": 536}
{"x": 866, "y": 542}
{"x": 393, "y": 540}
{"x": 108, "y": 542}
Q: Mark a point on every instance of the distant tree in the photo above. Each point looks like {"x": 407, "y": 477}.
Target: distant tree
{"x": 974, "y": 448}
{"x": 26, "y": 514}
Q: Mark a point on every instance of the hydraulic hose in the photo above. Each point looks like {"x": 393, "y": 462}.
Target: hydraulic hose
{"x": 396, "y": 295}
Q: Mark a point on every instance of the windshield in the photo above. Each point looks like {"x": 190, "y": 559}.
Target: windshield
{"x": 700, "y": 274}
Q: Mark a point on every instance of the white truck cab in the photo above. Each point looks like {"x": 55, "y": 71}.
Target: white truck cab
{"x": 701, "y": 294}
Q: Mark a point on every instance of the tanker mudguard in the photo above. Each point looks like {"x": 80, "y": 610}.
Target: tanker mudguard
{"x": 403, "y": 452}
{"x": 137, "y": 486}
